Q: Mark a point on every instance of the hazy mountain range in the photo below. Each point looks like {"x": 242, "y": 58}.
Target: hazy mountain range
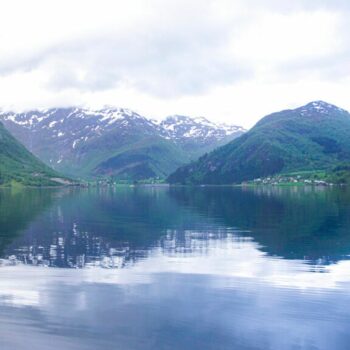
{"x": 115, "y": 141}
{"x": 122, "y": 144}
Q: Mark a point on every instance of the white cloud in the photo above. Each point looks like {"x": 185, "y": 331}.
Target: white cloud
{"x": 228, "y": 60}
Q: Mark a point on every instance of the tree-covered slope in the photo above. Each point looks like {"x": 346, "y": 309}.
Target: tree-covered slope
{"x": 18, "y": 164}
{"x": 312, "y": 137}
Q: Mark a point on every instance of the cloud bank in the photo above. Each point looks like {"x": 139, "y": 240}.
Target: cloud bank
{"x": 231, "y": 61}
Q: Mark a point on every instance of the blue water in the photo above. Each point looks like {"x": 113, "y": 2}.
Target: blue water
{"x": 175, "y": 268}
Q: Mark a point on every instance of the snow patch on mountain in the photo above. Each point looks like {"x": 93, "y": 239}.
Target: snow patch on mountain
{"x": 59, "y": 134}
{"x": 177, "y": 127}
{"x": 320, "y": 107}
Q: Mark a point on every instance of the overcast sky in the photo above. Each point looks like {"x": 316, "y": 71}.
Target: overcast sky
{"x": 232, "y": 61}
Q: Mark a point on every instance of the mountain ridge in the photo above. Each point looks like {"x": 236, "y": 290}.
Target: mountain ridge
{"x": 314, "y": 136}
{"x": 80, "y": 141}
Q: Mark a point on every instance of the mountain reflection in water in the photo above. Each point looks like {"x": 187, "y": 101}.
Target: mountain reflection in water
{"x": 175, "y": 268}
{"x": 116, "y": 227}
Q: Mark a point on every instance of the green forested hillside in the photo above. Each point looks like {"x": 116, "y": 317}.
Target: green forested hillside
{"x": 19, "y": 165}
{"x": 147, "y": 158}
{"x": 128, "y": 153}
{"x": 312, "y": 137}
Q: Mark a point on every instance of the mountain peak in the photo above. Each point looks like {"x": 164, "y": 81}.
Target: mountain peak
{"x": 179, "y": 127}
{"x": 320, "y": 107}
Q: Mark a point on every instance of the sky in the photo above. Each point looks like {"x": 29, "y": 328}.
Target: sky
{"x": 231, "y": 61}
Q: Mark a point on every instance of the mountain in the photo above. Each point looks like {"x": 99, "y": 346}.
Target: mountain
{"x": 18, "y": 164}
{"x": 114, "y": 141}
{"x": 198, "y": 135}
{"x": 313, "y": 137}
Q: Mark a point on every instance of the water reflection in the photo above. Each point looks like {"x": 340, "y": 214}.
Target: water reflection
{"x": 18, "y": 209}
{"x": 293, "y": 223}
{"x": 219, "y": 230}
{"x": 178, "y": 268}
{"x": 116, "y": 227}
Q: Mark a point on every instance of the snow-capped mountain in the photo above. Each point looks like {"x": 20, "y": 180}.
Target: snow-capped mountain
{"x": 72, "y": 126}
{"x": 79, "y": 141}
{"x": 181, "y": 128}
{"x": 320, "y": 107}
{"x": 198, "y": 135}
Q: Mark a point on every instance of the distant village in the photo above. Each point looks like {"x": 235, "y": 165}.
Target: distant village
{"x": 288, "y": 180}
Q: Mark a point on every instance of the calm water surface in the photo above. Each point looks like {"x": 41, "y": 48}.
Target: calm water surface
{"x": 175, "y": 268}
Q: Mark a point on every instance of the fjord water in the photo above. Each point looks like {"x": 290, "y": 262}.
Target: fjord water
{"x": 175, "y": 268}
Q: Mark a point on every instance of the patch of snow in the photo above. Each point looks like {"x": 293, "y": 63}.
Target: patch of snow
{"x": 75, "y": 143}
